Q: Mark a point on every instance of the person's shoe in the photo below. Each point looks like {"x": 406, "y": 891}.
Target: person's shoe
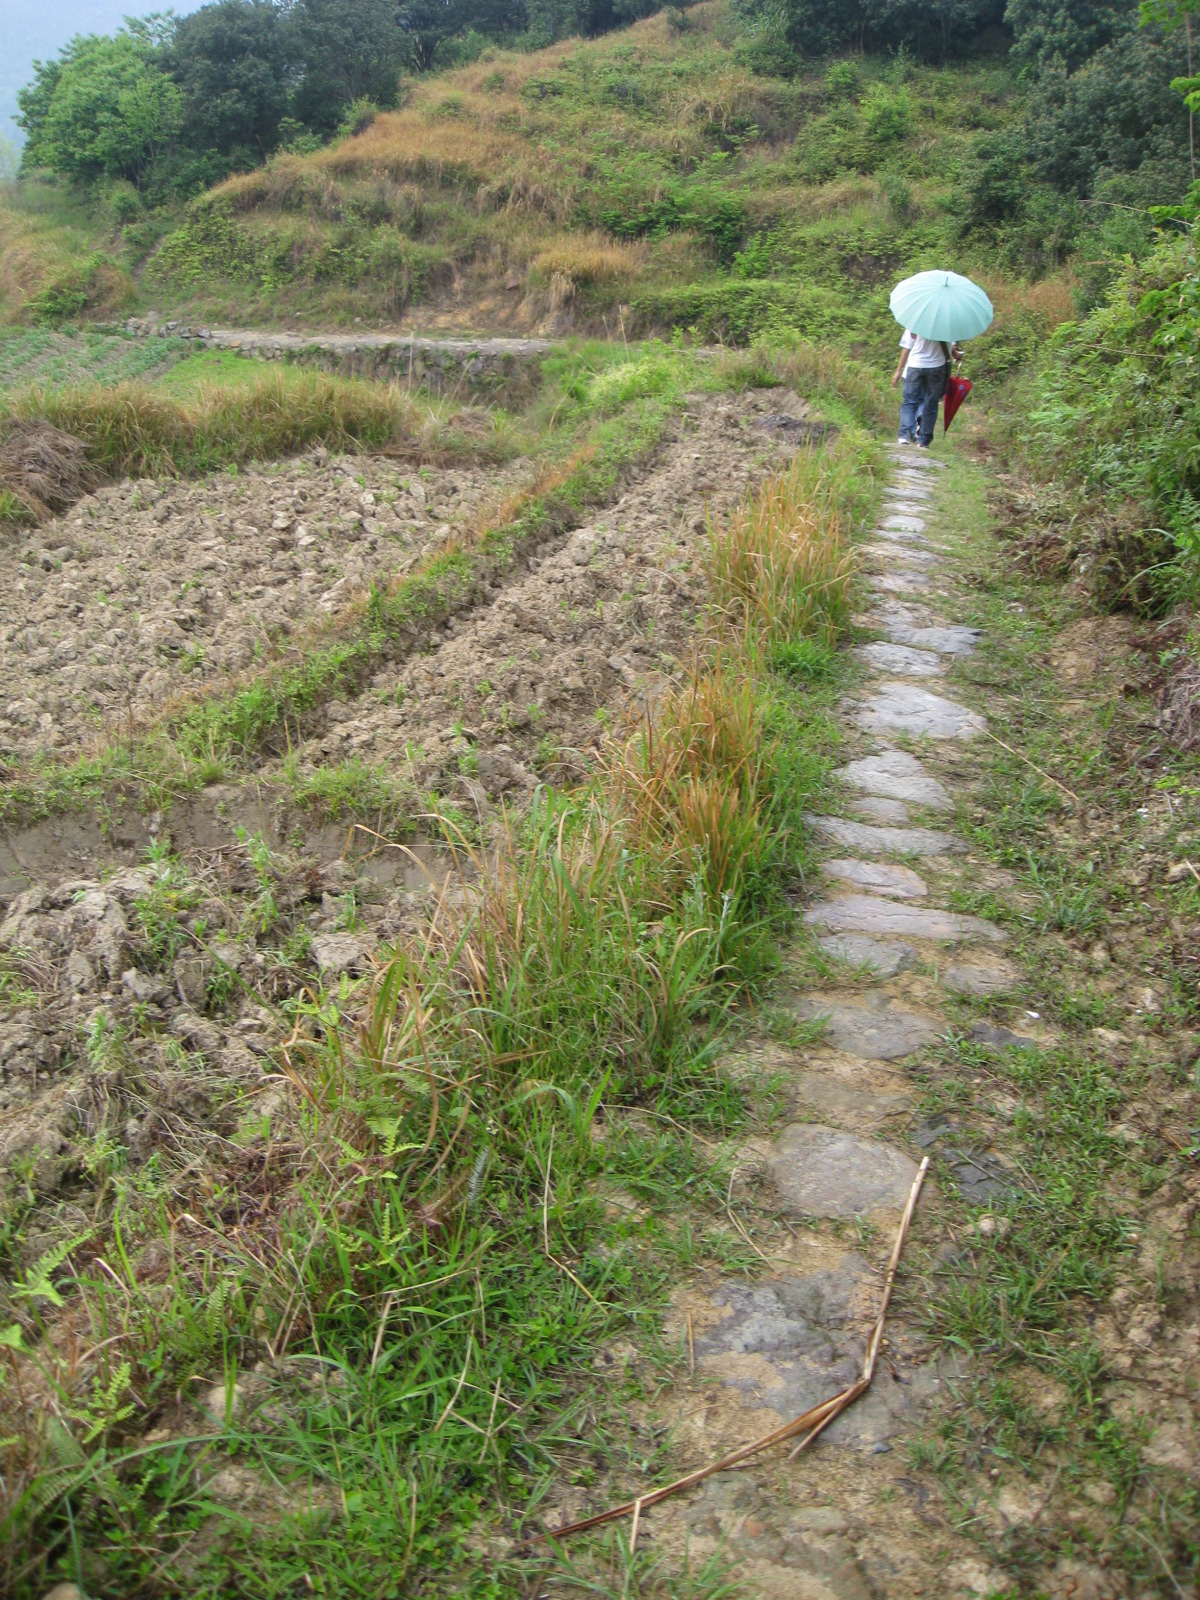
{"x": 904, "y": 439}
{"x": 921, "y": 445}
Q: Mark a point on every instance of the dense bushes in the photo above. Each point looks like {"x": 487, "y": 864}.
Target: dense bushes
{"x": 1118, "y": 410}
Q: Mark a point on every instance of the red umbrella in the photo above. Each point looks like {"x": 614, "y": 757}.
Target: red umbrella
{"x": 957, "y": 390}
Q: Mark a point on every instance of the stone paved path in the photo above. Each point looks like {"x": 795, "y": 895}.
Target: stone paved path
{"x": 846, "y": 1522}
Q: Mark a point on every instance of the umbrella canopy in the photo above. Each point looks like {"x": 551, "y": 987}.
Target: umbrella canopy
{"x": 941, "y": 305}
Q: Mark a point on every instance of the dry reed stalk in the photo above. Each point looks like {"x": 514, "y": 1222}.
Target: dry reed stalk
{"x": 810, "y": 1423}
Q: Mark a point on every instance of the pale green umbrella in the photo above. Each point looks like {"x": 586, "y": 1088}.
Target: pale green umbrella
{"x": 941, "y": 305}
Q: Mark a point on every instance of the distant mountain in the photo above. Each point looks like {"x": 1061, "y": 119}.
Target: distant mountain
{"x": 35, "y": 30}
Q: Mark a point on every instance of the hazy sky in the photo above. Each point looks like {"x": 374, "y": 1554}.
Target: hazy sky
{"x": 35, "y": 30}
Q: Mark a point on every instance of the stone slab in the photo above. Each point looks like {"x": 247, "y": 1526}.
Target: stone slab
{"x": 979, "y": 978}
{"x": 905, "y": 708}
{"x": 949, "y": 641}
{"x": 787, "y": 1344}
{"x": 844, "y": 1100}
{"x": 979, "y": 1178}
{"x": 899, "y": 582}
{"x": 902, "y": 522}
{"x": 873, "y": 1026}
{"x": 878, "y": 877}
{"x": 910, "y": 491}
{"x": 884, "y": 958}
{"x": 903, "y": 541}
{"x": 905, "y": 555}
{"x": 902, "y": 626}
{"x": 901, "y": 658}
{"x": 872, "y": 914}
{"x": 823, "y": 1172}
{"x": 899, "y": 775}
{"x": 998, "y": 1038}
{"x": 880, "y": 841}
{"x": 873, "y": 809}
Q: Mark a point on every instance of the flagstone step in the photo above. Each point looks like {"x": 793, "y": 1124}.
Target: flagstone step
{"x": 878, "y": 877}
{"x": 901, "y": 658}
{"x": 881, "y": 841}
{"x": 884, "y": 958}
{"x": 896, "y": 773}
{"x": 873, "y": 914}
{"x": 871, "y": 1026}
{"x": 906, "y": 708}
{"x": 825, "y": 1172}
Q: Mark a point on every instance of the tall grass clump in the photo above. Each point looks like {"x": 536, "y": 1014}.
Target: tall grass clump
{"x": 130, "y": 430}
{"x": 780, "y": 567}
{"x": 396, "y": 1298}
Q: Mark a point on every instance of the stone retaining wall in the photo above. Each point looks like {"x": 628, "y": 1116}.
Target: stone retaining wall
{"x": 438, "y": 364}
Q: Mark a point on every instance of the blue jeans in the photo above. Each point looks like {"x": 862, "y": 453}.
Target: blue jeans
{"x": 923, "y": 389}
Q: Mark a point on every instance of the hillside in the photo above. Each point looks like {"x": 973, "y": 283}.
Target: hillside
{"x": 647, "y": 169}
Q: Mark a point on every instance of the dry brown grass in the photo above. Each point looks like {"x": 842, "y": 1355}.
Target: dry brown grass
{"x": 781, "y": 567}
{"x": 43, "y": 468}
{"x": 407, "y": 145}
{"x": 34, "y": 263}
{"x": 1051, "y": 300}
{"x": 591, "y": 258}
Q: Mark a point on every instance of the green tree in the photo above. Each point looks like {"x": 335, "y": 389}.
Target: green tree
{"x": 1170, "y": 15}
{"x": 428, "y": 23}
{"x": 937, "y": 27}
{"x": 108, "y": 110}
{"x": 347, "y": 50}
{"x": 1063, "y": 34}
{"x": 235, "y": 69}
{"x": 1115, "y": 115}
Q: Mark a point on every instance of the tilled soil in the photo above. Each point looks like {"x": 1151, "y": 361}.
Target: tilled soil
{"x": 150, "y": 589}
{"x": 592, "y": 621}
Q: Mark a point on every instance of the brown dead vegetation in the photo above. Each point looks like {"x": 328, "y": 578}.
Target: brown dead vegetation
{"x": 44, "y": 468}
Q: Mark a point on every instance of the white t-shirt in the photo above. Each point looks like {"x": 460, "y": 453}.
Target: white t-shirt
{"x": 923, "y": 353}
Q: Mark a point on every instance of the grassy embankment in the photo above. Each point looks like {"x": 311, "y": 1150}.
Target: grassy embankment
{"x": 400, "y": 1328}
{"x": 648, "y": 169}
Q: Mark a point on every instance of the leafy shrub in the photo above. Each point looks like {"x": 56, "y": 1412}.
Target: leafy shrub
{"x": 705, "y": 208}
{"x": 755, "y": 260}
{"x": 995, "y": 181}
{"x": 899, "y": 196}
{"x": 1118, "y": 409}
{"x": 765, "y": 46}
{"x": 357, "y": 118}
{"x": 887, "y": 113}
{"x": 843, "y": 79}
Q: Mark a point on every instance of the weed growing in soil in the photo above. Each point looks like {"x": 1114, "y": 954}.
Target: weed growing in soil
{"x": 351, "y": 1338}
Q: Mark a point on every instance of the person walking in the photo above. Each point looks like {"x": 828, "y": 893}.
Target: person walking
{"x": 925, "y": 366}
{"x": 935, "y": 309}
